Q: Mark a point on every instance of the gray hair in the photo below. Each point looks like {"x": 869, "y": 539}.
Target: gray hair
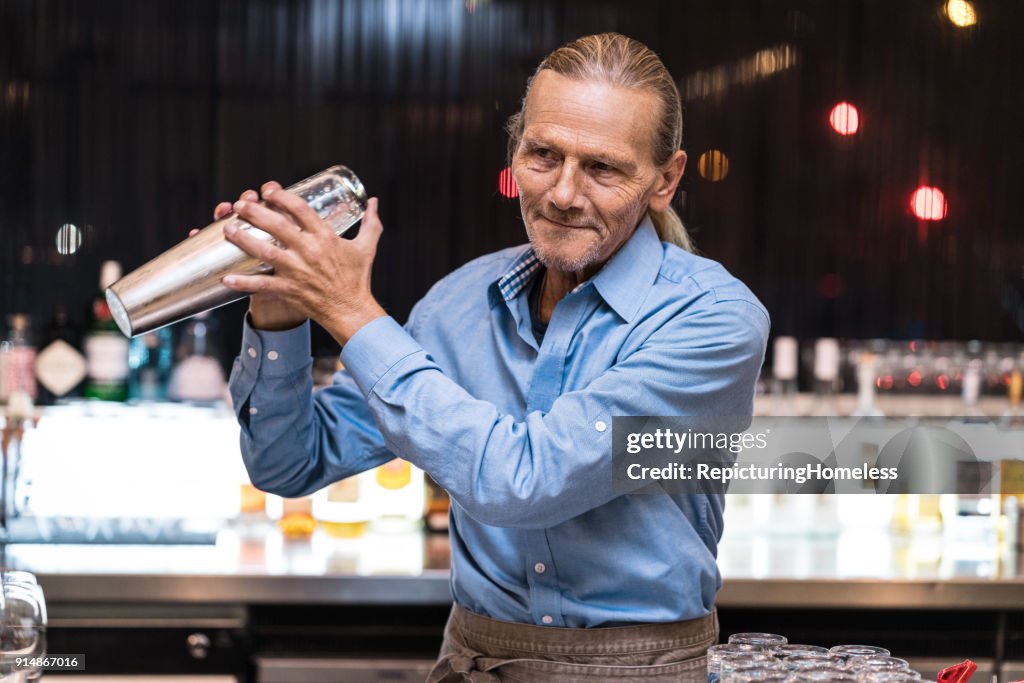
{"x": 622, "y": 61}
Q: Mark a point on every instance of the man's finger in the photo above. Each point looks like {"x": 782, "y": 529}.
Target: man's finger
{"x": 274, "y": 222}
{"x": 302, "y": 213}
{"x": 225, "y": 208}
{"x": 371, "y": 227}
{"x": 263, "y": 250}
{"x": 252, "y": 283}
{"x": 221, "y": 210}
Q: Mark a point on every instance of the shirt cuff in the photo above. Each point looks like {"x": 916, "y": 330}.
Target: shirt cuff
{"x": 375, "y": 348}
{"x": 273, "y": 353}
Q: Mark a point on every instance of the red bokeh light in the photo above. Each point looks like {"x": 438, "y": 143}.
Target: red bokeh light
{"x": 844, "y": 118}
{"x": 928, "y": 203}
{"x": 507, "y": 184}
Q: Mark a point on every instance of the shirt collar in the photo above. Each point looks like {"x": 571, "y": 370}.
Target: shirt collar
{"x": 622, "y": 282}
{"x": 518, "y": 275}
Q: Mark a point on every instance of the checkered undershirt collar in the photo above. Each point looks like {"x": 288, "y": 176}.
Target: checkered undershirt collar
{"x": 518, "y": 275}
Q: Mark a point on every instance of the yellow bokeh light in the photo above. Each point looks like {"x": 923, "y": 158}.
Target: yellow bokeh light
{"x": 713, "y": 165}
{"x": 961, "y": 13}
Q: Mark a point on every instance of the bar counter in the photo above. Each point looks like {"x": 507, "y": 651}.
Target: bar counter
{"x": 860, "y": 569}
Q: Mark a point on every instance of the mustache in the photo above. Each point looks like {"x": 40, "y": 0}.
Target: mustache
{"x": 571, "y": 218}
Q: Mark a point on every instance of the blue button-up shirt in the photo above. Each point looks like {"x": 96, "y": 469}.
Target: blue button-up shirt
{"x": 520, "y": 434}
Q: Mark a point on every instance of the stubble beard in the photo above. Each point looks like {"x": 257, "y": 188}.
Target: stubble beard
{"x": 550, "y": 256}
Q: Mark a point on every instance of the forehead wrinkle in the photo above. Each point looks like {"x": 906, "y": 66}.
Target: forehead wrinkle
{"x": 566, "y": 110}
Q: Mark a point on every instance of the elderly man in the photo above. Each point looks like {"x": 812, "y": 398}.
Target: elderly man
{"x": 504, "y": 381}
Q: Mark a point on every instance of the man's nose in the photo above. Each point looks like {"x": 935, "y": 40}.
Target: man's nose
{"x": 565, "y": 191}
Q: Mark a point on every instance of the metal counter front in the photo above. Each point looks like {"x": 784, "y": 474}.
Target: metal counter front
{"x": 259, "y": 608}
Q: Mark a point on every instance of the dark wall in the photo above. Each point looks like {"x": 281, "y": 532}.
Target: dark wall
{"x": 133, "y": 118}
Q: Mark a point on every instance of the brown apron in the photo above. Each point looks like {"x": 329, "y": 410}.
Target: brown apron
{"x": 479, "y": 649}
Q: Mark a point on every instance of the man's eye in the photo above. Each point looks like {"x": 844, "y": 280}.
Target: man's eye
{"x": 602, "y": 167}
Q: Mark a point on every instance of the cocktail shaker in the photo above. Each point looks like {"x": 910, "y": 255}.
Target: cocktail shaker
{"x": 186, "y": 279}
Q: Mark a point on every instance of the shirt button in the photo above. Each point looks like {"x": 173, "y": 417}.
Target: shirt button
{"x": 252, "y": 352}
{"x": 539, "y": 567}
{"x": 600, "y": 425}
{"x": 253, "y": 411}
{"x": 547, "y": 619}
{"x": 272, "y": 355}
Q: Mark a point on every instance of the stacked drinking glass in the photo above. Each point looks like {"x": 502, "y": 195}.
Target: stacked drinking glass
{"x": 750, "y": 657}
{"x": 22, "y": 627}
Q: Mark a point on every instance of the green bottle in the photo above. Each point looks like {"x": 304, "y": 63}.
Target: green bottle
{"x": 106, "y": 349}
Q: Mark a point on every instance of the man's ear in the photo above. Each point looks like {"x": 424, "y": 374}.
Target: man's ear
{"x": 669, "y": 176}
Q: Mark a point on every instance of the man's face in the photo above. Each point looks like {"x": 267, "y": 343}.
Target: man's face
{"x": 585, "y": 168}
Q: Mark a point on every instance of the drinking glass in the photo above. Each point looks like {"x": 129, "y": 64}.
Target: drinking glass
{"x": 879, "y": 663}
{"x": 22, "y": 625}
{"x": 848, "y": 652}
{"x": 758, "y": 675}
{"x": 811, "y": 662}
{"x": 732, "y": 662}
{"x": 715, "y": 654}
{"x": 793, "y": 650}
{"x": 888, "y": 676}
{"x": 737, "y": 671}
{"x": 823, "y": 676}
{"x": 765, "y": 642}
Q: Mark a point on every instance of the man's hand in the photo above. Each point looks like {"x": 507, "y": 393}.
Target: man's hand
{"x": 316, "y": 274}
{"x": 267, "y": 311}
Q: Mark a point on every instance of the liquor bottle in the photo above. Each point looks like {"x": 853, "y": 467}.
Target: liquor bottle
{"x": 435, "y": 516}
{"x": 106, "y": 349}
{"x": 60, "y": 366}
{"x": 784, "y": 370}
{"x": 1011, "y": 470}
{"x": 1013, "y": 416}
{"x": 149, "y": 365}
{"x": 251, "y": 522}
{"x": 342, "y": 509}
{"x": 826, "y": 375}
{"x": 294, "y": 516}
{"x": 867, "y": 376}
{"x": 17, "y": 360}
{"x": 973, "y": 516}
{"x": 396, "y": 496}
{"x": 197, "y": 376}
{"x": 970, "y": 391}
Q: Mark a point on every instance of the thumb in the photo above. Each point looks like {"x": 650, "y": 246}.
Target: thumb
{"x": 371, "y": 228}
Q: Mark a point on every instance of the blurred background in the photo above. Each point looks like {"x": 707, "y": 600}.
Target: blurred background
{"x": 852, "y": 161}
